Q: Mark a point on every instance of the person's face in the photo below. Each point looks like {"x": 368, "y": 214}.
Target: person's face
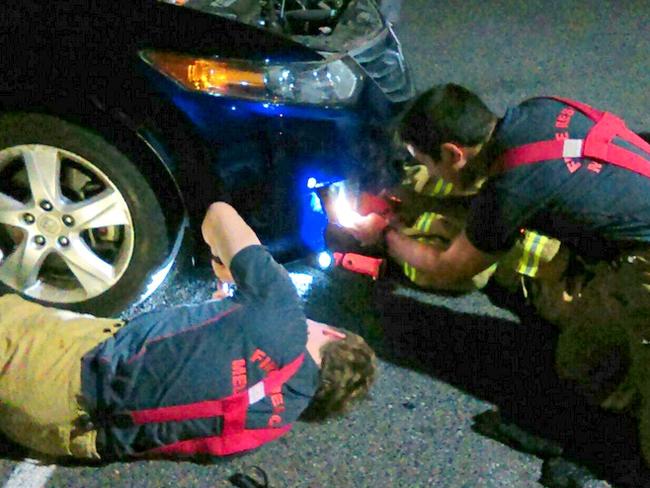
{"x": 446, "y": 168}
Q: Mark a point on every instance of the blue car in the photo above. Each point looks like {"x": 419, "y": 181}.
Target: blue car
{"x": 121, "y": 120}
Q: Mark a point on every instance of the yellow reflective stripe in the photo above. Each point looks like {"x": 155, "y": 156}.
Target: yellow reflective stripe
{"x": 539, "y": 250}
{"x": 428, "y": 221}
{"x": 441, "y": 188}
{"x": 437, "y": 187}
{"x": 420, "y": 222}
{"x": 424, "y": 221}
{"x": 534, "y": 244}
{"x": 409, "y": 271}
{"x": 523, "y": 265}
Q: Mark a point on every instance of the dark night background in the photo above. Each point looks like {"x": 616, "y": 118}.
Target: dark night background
{"x": 448, "y": 363}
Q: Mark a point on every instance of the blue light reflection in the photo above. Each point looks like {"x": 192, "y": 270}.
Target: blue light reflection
{"x": 313, "y": 220}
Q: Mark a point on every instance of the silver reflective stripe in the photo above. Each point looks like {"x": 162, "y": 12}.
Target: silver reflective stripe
{"x": 256, "y": 392}
{"x": 572, "y": 148}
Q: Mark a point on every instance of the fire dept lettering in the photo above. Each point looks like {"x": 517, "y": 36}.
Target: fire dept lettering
{"x": 277, "y": 400}
{"x": 239, "y": 380}
{"x": 595, "y": 167}
{"x": 562, "y": 121}
{"x": 267, "y": 365}
{"x": 564, "y": 118}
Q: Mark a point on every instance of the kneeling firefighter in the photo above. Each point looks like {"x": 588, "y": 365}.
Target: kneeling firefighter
{"x": 564, "y": 170}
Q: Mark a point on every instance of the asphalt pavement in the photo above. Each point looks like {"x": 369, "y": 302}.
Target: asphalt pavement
{"x": 466, "y": 395}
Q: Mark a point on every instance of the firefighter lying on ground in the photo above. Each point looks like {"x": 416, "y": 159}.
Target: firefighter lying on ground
{"x": 217, "y": 378}
{"x": 570, "y": 172}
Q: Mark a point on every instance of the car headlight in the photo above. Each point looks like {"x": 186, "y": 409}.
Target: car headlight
{"x": 332, "y": 82}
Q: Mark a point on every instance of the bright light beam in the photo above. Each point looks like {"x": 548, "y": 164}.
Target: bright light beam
{"x": 324, "y": 260}
{"x": 345, "y": 215}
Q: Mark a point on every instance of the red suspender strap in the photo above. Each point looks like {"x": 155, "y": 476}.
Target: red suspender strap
{"x": 222, "y": 446}
{"x": 234, "y": 436}
{"x": 176, "y": 413}
{"x": 597, "y": 145}
{"x": 275, "y": 379}
{"x": 533, "y": 153}
{"x": 588, "y": 110}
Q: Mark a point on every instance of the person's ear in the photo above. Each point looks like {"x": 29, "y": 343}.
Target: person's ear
{"x": 328, "y": 331}
{"x": 453, "y": 155}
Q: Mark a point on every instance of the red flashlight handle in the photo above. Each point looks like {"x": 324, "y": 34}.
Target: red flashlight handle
{"x": 358, "y": 263}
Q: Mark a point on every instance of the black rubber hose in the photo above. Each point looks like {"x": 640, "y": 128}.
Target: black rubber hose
{"x": 313, "y": 15}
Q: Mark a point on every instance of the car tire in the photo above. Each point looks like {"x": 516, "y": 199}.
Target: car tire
{"x": 90, "y": 171}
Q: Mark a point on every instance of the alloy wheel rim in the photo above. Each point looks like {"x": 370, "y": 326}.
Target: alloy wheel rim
{"x": 67, "y": 232}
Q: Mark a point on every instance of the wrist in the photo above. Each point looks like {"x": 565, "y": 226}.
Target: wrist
{"x": 385, "y": 231}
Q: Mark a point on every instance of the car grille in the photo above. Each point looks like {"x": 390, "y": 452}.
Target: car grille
{"x": 383, "y": 61}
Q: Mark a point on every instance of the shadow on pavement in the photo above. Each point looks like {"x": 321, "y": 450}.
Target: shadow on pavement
{"x": 511, "y": 365}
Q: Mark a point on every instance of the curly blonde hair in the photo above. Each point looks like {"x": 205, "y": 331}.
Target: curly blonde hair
{"x": 348, "y": 369}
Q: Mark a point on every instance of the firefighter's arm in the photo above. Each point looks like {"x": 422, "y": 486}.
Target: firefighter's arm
{"x": 226, "y": 232}
{"x": 413, "y": 204}
{"x": 442, "y": 269}
{"x": 368, "y": 229}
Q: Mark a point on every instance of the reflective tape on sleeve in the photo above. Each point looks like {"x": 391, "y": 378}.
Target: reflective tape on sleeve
{"x": 572, "y": 148}
{"x": 256, "y": 393}
{"x": 533, "y": 248}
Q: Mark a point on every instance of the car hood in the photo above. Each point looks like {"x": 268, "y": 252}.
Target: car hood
{"x": 330, "y": 26}
{"x": 320, "y": 28}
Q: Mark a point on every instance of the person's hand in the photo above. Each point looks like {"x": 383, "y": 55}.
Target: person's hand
{"x": 223, "y": 275}
{"x": 220, "y": 293}
{"x": 368, "y": 229}
{"x": 224, "y": 289}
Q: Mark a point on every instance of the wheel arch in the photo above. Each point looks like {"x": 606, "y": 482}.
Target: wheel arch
{"x": 140, "y": 143}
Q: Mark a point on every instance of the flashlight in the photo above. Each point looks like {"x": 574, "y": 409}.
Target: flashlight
{"x": 358, "y": 263}
{"x": 345, "y": 214}
{"x": 324, "y": 260}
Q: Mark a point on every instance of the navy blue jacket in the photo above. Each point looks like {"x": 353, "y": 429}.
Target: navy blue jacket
{"x": 202, "y": 352}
